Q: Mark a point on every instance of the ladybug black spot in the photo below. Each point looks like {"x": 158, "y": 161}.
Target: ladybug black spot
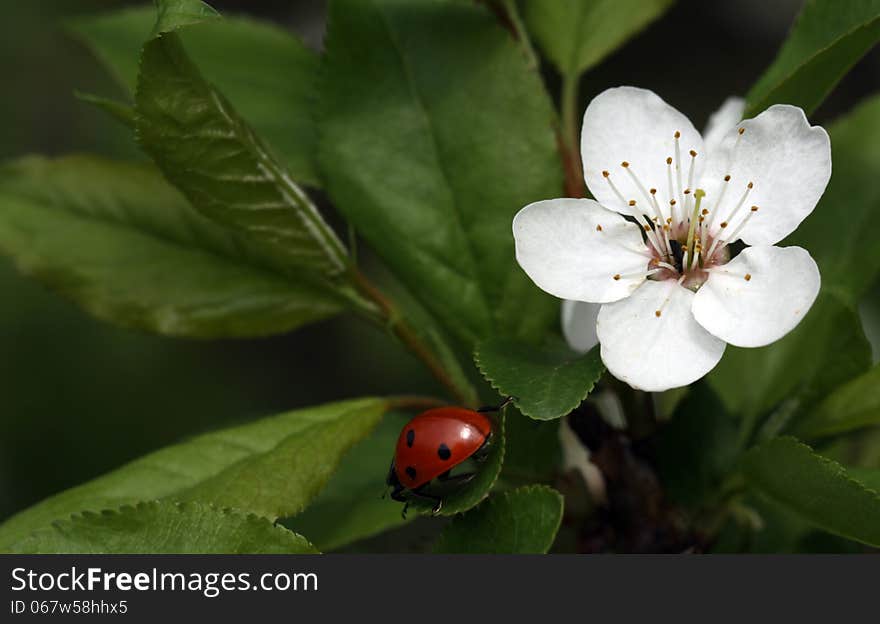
{"x": 411, "y": 473}
{"x": 444, "y": 452}
{"x": 410, "y": 437}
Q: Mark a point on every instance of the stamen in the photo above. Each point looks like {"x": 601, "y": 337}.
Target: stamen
{"x": 607, "y": 177}
{"x": 724, "y": 271}
{"x": 742, "y": 200}
{"x": 641, "y": 187}
{"x": 690, "y": 251}
{"x": 653, "y": 237}
{"x": 639, "y": 275}
{"x": 733, "y": 236}
{"x": 671, "y": 190}
{"x": 659, "y": 311}
{"x": 678, "y": 163}
{"x": 691, "y": 170}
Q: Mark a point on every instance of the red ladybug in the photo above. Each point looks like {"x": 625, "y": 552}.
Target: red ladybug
{"x": 431, "y": 445}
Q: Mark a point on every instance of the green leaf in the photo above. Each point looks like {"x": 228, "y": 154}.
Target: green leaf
{"x": 816, "y": 488}
{"x": 825, "y": 350}
{"x": 869, "y": 477}
{"x": 697, "y": 448}
{"x": 521, "y": 521}
{"x": 840, "y": 232}
{"x": 825, "y": 42}
{"x": 120, "y": 111}
{"x": 828, "y": 347}
{"x": 578, "y": 34}
{"x": 164, "y": 528}
{"x": 853, "y": 405}
{"x": 351, "y": 507}
{"x": 430, "y": 153}
{"x": 174, "y": 14}
{"x": 533, "y": 451}
{"x": 548, "y": 382}
{"x": 267, "y": 74}
{"x": 208, "y": 152}
{"x": 478, "y": 488}
{"x": 272, "y": 467}
{"x": 123, "y": 244}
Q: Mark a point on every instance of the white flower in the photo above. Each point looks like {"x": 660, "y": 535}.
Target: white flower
{"x": 672, "y": 289}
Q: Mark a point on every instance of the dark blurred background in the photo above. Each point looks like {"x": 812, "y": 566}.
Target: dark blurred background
{"x": 78, "y": 397}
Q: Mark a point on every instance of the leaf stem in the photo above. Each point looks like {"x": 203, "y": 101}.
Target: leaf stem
{"x": 520, "y": 32}
{"x": 409, "y": 337}
{"x": 568, "y": 137}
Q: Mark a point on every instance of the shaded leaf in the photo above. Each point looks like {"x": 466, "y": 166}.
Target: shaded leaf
{"x": 826, "y": 40}
{"x": 533, "y": 452}
{"x": 434, "y": 186}
{"x": 174, "y": 14}
{"x": 267, "y": 74}
{"x": 163, "y": 528}
{"x": 548, "y": 382}
{"x": 120, "y": 111}
{"x": 351, "y": 507}
{"x": 815, "y": 488}
{"x": 208, "y": 152}
{"x": 521, "y": 521}
{"x": 825, "y": 350}
{"x": 122, "y": 243}
{"x": 869, "y": 477}
{"x": 578, "y": 34}
{"x": 697, "y": 448}
{"x": 272, "y": 467}
{"x": 853, "y": 405}
{"x": 840, "y": 232}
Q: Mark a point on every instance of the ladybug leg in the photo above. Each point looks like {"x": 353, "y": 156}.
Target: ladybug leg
{"x": 397, "y": 494}
{"x": 403, "y": 511}
{"x": 438, "y": 502}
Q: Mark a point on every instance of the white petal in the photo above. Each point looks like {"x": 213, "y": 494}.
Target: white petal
{"x": 636, "y": 126}
{"x": 783, "y": 283}
{"x": 722, "y": 121}
{"x": 651, "y": 352}
{"x": 573, "y": 248}
{"x": 579, "y": 324}
{"x": 789, "y": 163}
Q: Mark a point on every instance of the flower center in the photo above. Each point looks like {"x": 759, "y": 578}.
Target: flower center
{"x": 688, "y": 238}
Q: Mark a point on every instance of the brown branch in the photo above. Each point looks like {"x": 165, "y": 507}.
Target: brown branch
{"x": 408, "y": 336}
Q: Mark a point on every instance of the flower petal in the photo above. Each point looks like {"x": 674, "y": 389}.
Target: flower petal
{"x": 651, "y": 352}
{"x": 722, "y": 121}
{"x": 626, "y": 124}
{"x": 573, "y": 249}
{"x": 782, "y": 284}
{"x": 579, "y": 324}
{"x": 787, "y": 160}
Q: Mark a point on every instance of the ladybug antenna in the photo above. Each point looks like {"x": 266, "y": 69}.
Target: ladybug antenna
{"x": 507, "y": 400}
